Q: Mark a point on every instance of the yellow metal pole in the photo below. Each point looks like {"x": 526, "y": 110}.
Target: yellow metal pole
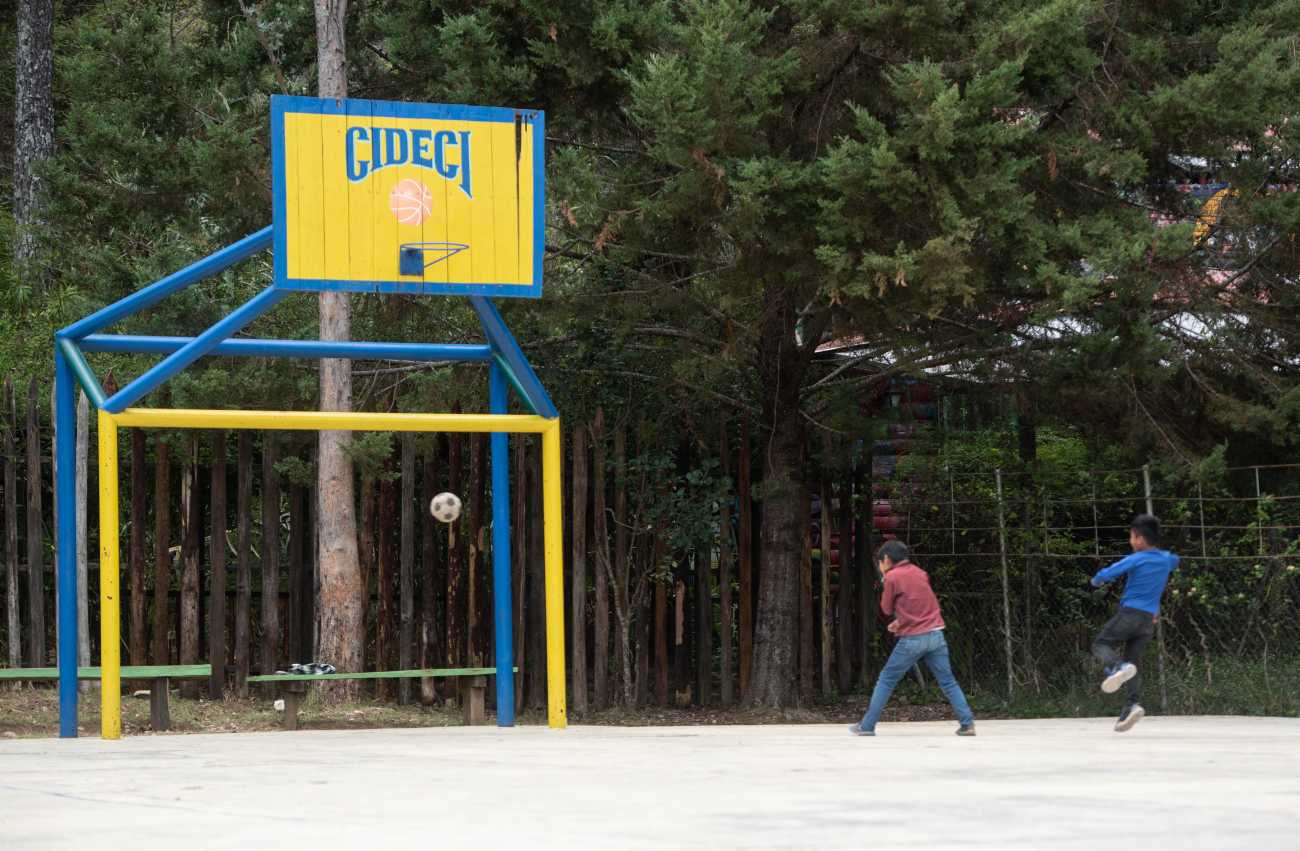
{"x": 554, "y": 545}
{"x": 330, "y": 421}
{"x": 110, "y": 613}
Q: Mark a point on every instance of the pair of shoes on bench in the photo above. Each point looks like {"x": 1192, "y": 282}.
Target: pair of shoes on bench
{"x": 309, "y": 668}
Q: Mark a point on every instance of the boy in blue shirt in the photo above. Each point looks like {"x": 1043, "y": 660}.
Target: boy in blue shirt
{"x": 1121, "y": 641}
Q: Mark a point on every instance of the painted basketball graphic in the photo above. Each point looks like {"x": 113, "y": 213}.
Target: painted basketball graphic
{"x": 410, "y": 201}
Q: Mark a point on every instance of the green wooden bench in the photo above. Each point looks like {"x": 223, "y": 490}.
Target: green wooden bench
{"x": 293, "y": 688}
{"x": 160, "y": 718}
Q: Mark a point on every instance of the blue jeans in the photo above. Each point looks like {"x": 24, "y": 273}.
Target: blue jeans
{"x": 910, "y": 650}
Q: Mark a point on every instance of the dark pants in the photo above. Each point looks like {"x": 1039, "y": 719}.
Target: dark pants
{"x": 1123, "y": 639}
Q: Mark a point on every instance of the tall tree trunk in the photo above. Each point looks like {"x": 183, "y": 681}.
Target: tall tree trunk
{"x": 342, "y": 599}
{"x": 406, "y": 632}
{"x": 781, "y": 368}
{"x": 162, "y": 556}
{"x": 430, "y": 579}
{"x": 725, "y": 627}
{"x": 243, "y": 567}
{"x": 600, "y": 534}
{"x": 620, "y": 569}
{"x": 191, "y": 541}
{"x": 217, "y": 556}
{"x": 11, "y": 527}
{"x": 518, "y": 569}
{"x": 33, "y": 131}
{"x": 536, "y": 643}
{"x": 35, "y": 534}
{"x": 578, "y": 620}
{"x": 270, "y": 556}
{"x": 83, "y": 508}
{"x": 139, "y": 494}
{"x": 477, "y": 584}
{"x": 455, "y": 642}
{"x": 863, "y": 555}
{"x": 385, "y": 651}
{"x": 661, "y": 642}
{"x": 745, "y": 539}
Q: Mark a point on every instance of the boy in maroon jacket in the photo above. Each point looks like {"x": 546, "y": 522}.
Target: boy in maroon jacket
{"x": 908, "y": 598}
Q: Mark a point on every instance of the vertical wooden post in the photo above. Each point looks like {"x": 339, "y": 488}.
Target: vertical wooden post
{"x": 11, "y": 527}
{"x": 476, "y": 586}
{"x": 243, "y": 568}
{"x": 704, "y": 625}
{"x": 661, "y": 642}
{"x": 191, "y": 539}
{"x": 37, "y": 656}
{"x": 384, "y": 649}
{"x": 621, "y": 571}
{"x": 807, "y": 632}
{"x": 1160, "y": 622}
{"x": 519, "y": 521}
{"x": 270, "y": 556}
{"x": 139, "y": 488}
{"x": 430, "y": 578}
{"x": 600, "y": 537}
{"x": 162, "y": 557}
{"x": 455, "y": 643}
{"x": 864, "y": 559}
{"x": 298, "y": 630}
{"x": 83, "y": 560}
{"x": 1006, "y": 590}
{"x": 725, "y": 626}
{"x": 825, "y": 616}
{"x": 217, "y": 557}
{"x": 847, "y": 583}
{"x": 745, "y": 533}
{"x": 406, "y": 630}
{"x": 578, "y": 608}
{"x": 366, "y": 551}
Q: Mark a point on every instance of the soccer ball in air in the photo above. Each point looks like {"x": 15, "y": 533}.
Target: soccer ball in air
{"x": 445, "y": 507}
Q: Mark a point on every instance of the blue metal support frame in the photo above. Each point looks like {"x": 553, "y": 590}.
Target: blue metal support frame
{"x": 81, "y": 370}
{"x": 504, "y": 344}
{"x": 156, "y": 292}
{"x": 502, "y": 602}
{"x": 244, "y": 347}
{"x": 193, "y": 350}
{"x": 65, "y": 570}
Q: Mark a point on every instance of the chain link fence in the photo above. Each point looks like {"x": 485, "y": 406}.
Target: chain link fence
{"x": 1011, "y": 553}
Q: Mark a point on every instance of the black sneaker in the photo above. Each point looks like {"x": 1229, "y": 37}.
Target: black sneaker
{"x": 858, "y": 731}
{"x": 1129, "y": 718}
{"x": 966, "y": 729}
{"x": 1118, "y": 676}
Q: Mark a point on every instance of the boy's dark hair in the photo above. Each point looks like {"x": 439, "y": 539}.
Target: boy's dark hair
{"x": 896, "y": 550}
{"x": 1148, "y": 527}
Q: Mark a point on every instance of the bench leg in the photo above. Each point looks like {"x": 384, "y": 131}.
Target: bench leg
{"x": 160, "y": 718}
{"x": 293, "y": 696}
{"x": 473, "y": 702}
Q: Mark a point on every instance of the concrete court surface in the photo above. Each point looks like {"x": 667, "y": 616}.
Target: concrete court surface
{"x": 1172, "y": 783}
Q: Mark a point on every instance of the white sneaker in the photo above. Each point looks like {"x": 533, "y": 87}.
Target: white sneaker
{"x": 1121, "y": 675}
{"x": 1129, "y": 717}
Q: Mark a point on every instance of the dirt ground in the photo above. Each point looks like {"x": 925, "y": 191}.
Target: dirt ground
{"x": 33, "y": 712}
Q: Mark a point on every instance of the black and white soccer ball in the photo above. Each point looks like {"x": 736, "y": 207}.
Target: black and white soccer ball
{"x": 445, "y": 507}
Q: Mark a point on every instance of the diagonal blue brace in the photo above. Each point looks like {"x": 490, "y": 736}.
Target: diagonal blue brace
{"x": 156, "y": 292}
{"x": 505, "y": 345}
{"x": 193, "y": 350}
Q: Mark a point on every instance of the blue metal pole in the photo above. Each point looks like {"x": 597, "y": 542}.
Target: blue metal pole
{"x": 501, "y": 597}
{"x": 65, "y": 512}
{"x": 156, "y": 292}
{"x": 193, "y": 350}
{"x": 494, "y": 328}
{"x": 246, "y": 347}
